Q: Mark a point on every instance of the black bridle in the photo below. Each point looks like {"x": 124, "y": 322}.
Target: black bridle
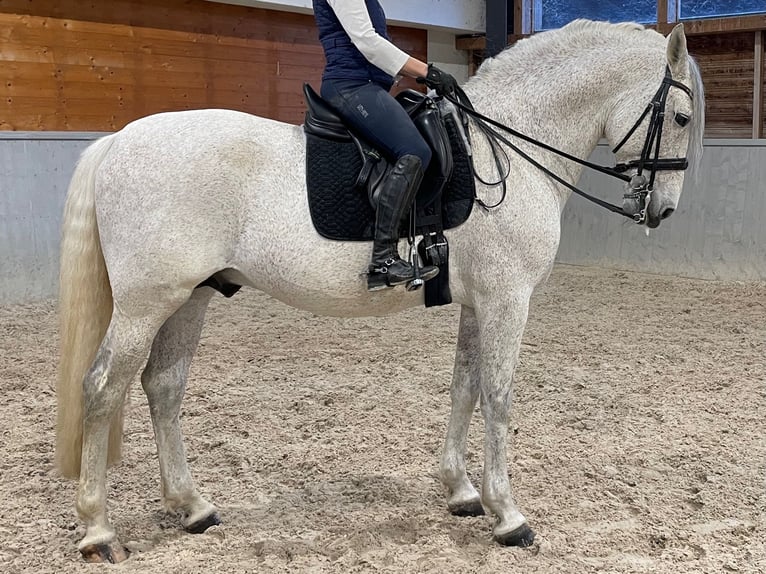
{"x": 650, "y": 159}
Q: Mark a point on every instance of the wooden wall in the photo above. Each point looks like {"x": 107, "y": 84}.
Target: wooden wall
{"x": 74, "y": 65}
{"x": 731, "y": 53}
{"x": 727, "y": 67}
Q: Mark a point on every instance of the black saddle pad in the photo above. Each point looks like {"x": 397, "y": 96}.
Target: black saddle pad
{"x": 342, "y": 211}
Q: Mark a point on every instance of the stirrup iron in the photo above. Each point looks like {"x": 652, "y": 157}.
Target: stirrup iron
{"x": 417, "y": 282}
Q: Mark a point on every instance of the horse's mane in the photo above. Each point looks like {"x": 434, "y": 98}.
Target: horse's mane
{"x": 583, "y": 33}
{"x": 566, "y": 42}
{"x": 578, "y": 37}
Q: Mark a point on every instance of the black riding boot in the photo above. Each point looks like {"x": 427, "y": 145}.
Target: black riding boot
{"x": 396, "y": 195}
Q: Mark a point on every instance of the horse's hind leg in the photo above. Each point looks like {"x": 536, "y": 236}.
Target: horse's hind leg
{"x": 463, "y": 499}
{"x": 164, "y": 382}
{"x": 119, "y": 357}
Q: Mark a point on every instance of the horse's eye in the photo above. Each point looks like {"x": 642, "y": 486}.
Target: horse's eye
{"x": 681, "y": 119}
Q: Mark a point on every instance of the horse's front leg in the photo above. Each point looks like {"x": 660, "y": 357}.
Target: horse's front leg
{"x": 500, "y": 330}
{"x": 463, "y": 499}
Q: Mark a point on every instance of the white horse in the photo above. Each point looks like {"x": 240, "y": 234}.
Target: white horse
{"x": 171, "y": 199}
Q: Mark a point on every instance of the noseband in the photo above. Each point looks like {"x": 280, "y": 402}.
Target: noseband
{"x": 640, "y": 187}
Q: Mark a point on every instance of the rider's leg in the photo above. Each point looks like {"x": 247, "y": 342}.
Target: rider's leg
{"x": 381, "y": 121}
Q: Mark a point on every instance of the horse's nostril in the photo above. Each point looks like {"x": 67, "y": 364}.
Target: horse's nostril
{"x": 667, "y": 213}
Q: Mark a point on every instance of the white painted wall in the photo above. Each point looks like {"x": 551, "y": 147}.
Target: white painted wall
{"x": 457, "y": 16}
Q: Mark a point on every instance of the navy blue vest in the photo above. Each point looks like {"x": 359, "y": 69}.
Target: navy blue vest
{"x": 344, "y": 61}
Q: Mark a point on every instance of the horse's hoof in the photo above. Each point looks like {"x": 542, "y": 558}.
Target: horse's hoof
{"x": 470, "y": 508}
{"x": 204, "y": 523}
{"x": 112, "y": 553}
{"x": 522, "y": 536}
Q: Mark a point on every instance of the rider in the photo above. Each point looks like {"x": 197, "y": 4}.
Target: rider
{"x": 360, "y": 70}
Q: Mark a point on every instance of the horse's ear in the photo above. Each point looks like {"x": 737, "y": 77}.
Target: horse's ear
{"x": 678, "y": 55}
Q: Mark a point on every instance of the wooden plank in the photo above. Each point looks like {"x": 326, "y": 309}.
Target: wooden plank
{"x": 195, "y": 16}
{"x": 721, "y": 25}
{"x": 662, "y": 11}
{"x": 523, "y": 11}
{"x": 43, "y": 31}
{"x": 474, "y": 42}
{"x": 726, "y": 63}
{"x": 73, "y": 80}
{"x": 40, "y": 43}
{"x": 758, "y": 82}
{"x": 68, "y": 65}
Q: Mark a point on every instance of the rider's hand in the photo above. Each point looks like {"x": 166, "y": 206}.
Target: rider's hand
{"x": 439, "y": 80}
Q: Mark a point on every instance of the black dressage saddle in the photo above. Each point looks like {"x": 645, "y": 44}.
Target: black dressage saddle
{"x": 343, "y": 172}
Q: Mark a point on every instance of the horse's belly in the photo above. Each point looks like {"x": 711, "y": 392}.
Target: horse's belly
{"x": 320, "y": 276}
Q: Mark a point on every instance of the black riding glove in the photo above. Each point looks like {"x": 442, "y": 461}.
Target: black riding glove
{"x": 439, "y": 80}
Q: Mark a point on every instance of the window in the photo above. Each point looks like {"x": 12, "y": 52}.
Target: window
{"x": 557, "y": 13}
{"x": 692, "y": 9}
{"x": 549, "y": 14}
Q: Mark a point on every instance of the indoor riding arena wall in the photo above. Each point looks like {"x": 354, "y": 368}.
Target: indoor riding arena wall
{"x": 70, "y": 67}
{"x": 81, "y": 66}
{"x": 717, "y": 232}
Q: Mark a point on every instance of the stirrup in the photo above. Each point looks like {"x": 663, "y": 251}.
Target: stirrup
{"x": 428, "y": 273}
{"x": 422, "y": 274}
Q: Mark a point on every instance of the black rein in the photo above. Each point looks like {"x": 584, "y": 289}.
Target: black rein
{"x": 640, "y": 188}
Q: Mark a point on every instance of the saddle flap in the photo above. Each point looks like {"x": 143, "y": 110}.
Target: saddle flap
{"x": 321, "y": 120}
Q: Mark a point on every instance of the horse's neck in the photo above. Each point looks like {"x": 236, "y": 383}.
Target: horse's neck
{"x": 564, "y": 105}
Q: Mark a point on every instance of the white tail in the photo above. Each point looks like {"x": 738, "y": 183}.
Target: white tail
{"x": 85, "y": 309}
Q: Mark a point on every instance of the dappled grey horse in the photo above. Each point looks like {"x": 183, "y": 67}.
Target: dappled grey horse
{"x": 172, "y": 199}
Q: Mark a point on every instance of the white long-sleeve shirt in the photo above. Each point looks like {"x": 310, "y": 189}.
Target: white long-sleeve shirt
{"x": 355, "y": 19}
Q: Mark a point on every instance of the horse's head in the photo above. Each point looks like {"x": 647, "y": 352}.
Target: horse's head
{"x": 653, "y": 136}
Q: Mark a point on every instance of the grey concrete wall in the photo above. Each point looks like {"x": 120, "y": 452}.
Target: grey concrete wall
{"x": 34, "y": 173}
{"x": 717, "y": 232}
